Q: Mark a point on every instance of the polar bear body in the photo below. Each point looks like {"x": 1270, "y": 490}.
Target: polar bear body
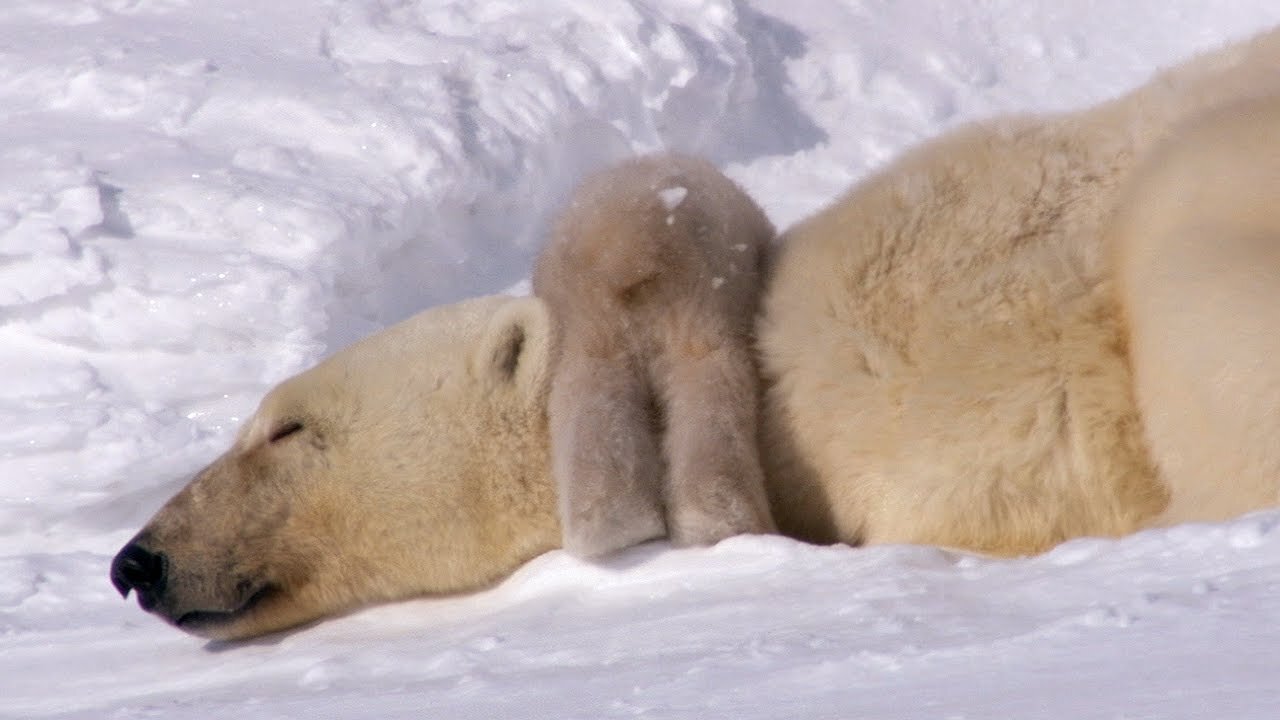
{"x": 945, "y": 352}
{"x": 1028, "y": 330}
{"x": 944, "y": 356}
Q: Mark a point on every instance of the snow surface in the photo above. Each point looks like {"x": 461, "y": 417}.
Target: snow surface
{"x": 198, "y": 199}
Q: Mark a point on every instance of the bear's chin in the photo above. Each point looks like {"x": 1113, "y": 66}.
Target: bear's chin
{"x": 229, "y": 624}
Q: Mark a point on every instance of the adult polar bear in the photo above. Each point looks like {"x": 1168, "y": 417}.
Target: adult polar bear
{"x": 965, "y": 350}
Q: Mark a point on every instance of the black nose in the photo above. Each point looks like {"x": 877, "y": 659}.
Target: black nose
{"x": 137, "y": 568}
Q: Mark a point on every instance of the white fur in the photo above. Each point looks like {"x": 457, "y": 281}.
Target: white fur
{"x": 1198, "y": 243}
{"x": 946, "y": 356}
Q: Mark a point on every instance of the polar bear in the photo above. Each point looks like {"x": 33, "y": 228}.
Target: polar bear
{"x": 413, "y": 462}
{"x": 652, "y": 277}
{"x": 1030, "y": 329}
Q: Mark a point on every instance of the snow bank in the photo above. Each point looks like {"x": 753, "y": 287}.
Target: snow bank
{"x": 197, "y": 202}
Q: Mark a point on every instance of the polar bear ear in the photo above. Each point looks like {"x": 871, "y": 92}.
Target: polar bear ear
{"x": 514, "y": 348}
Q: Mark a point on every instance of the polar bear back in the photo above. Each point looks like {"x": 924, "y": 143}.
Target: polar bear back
{"x": 944, "y": 356}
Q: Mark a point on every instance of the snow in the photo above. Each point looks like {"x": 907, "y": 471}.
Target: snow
{"x": 672, "y": 197}
{"x": 199, "y": 199}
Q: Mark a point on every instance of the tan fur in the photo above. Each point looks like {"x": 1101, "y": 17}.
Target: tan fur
{"x": 652, "y": 276}
{"x": 1198, "y": 247}
{"x": 421, "y": 468}
{"x": 965, "y": 350}
{"x": 945, "y": 357}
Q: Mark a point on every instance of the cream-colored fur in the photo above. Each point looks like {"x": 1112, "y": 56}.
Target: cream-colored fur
{"x": 1198, "y": 248}
{"x": 1028, "y": 330}
{"x": 945, "y": 357}
{"x": 652, "y": 278}
{"x": 420, "y": 467}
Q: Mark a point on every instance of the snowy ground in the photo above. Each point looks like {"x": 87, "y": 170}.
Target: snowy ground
{"x": 200, "y": 198}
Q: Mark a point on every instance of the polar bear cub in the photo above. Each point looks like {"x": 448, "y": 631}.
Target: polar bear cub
{"x": 653, "y": 276}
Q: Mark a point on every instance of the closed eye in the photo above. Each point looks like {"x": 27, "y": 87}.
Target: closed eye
{"x": 285, "y": 430}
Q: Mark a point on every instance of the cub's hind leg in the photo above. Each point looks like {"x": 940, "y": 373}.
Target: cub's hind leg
{"x": 605, "y": 455}
{"x": 715, "y": 485}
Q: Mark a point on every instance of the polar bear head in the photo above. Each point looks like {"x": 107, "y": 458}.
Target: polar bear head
{"x": 413, "y": 462}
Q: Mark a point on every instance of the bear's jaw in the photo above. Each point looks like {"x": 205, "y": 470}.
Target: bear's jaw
{"x": 214, "y": 624}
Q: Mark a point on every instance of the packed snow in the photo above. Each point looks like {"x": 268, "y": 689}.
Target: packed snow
{"x": 198, "y": 199}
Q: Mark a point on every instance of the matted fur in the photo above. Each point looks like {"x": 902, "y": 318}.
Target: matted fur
{"x": 652, "y": 278}
{"x": 1028, "y": 330}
